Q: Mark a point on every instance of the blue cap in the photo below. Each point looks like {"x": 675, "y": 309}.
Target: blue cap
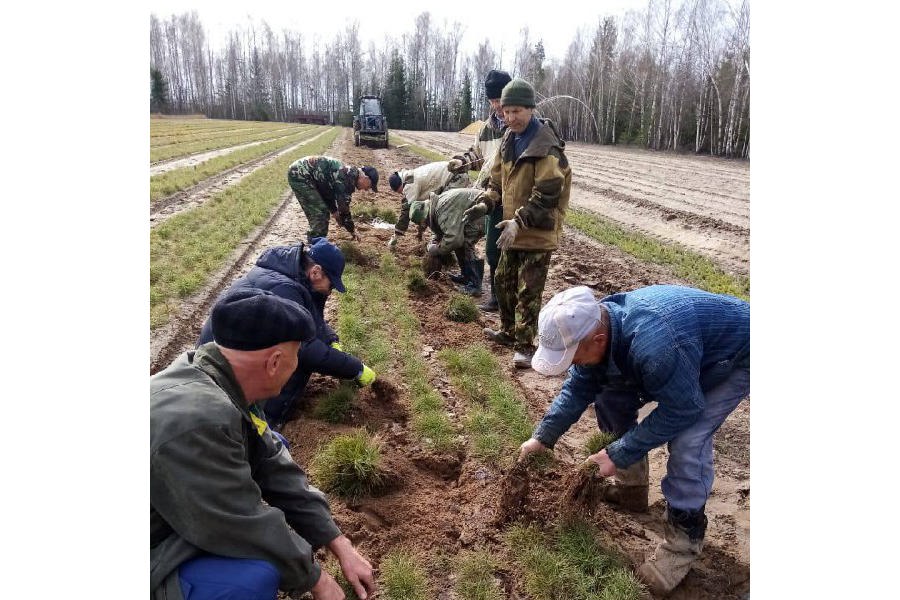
{"x": 329, "y": 257}
{"x": 253, "y": 319}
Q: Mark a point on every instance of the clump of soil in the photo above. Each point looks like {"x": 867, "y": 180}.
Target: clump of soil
{"x": 433, "y": 266}
{"x": 513, "y": 494}
{"x": 582, "y": 490}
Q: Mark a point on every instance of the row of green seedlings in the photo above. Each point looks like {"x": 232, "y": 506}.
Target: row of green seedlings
{"x": 376, "y": 323}
{"x": 186, "y": 249}
{"x": 404, "y": 576}
{"x": 686, "y": 264}
{"x": 162, "y": 129}
{"x": 180, "y": 136}
{"x": 192, "y": 146}
{"x": 168, "y": 183}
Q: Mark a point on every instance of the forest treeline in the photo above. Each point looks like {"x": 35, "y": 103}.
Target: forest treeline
{"x": 674, "y": 76}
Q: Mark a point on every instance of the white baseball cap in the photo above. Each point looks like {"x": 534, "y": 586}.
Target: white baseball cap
{"x": 566, "y": 319}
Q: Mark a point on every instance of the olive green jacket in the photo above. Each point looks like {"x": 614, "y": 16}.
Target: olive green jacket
{"x": 222, "y": 483}
{"x": 534, "y": 189}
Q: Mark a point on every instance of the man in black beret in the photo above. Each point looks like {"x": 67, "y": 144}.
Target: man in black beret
{"x": 230, "y": 511}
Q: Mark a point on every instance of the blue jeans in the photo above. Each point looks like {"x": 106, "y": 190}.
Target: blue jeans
{"x": 220, "y": 578}
{"x": 689, "y": 471}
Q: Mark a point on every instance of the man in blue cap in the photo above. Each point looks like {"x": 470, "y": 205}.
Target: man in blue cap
{"x": 231, "y": 514}
{"x": 305, "y": 274}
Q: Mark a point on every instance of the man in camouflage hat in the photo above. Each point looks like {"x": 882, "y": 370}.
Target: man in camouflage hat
{"x": 444, "y": 216}
{"x": 419, "y": 183}
{"x": 531, "y": 178}
{"x": 323, "y": 186}
{"x": 480, "y": 157}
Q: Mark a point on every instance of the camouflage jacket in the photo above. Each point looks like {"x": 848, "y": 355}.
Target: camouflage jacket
{"x": 534, "y": 188}
{"x": 422, "y": 181}
{"x": 445, "y": 218}
{"x": 334, "y": 180}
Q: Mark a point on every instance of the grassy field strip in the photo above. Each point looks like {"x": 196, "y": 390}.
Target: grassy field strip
{"x": 176, "y": 180}
{"x": 570, "y": 562}
{"x": 217, "y": 135}
{"x": 177, "y": 129}
{"x": 496, "y": 420}
{"x": 188, "y": 248}
{"x": 686, "y": 264}
{"x": 194, "y": 147}
{"x": 375, "y": 318}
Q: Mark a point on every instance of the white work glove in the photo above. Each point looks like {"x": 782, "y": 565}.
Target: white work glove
{"x": 392, "y": 243}
{"x": 508, "y": 235}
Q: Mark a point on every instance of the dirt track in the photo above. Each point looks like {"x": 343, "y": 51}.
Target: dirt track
{"x": 448, "y": 503}
{"x": 702, "y": 203}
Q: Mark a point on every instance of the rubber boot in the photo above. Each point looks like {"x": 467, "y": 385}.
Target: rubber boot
{"x": 499, "y": 337}
{"x": 673, "y": 558}
{"x": 490, "y": 305}
{"x": 629, "y": 487}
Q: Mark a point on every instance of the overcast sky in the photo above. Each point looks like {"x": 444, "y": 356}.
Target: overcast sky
{"x": 480, "y": 20}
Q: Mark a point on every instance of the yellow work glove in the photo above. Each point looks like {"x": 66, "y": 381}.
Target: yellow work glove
{"x": 366, "y": 377}
{"x": 337, "y": 346}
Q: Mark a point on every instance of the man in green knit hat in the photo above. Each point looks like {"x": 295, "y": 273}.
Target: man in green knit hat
{"x": 531, "y": 179}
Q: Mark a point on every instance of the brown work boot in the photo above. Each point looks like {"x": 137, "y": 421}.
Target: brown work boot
{"x": 672, "y": 560}
{"x": 629, "y": 487}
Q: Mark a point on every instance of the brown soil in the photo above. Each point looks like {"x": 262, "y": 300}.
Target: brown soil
{"x": 439, "y": 504}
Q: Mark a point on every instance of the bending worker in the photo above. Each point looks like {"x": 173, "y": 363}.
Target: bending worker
{"x": 420, "y": 183}
{"x": 444, "y": 216}
{"x": 683, "y": 348}
{"x": 324, "y": 186}
{"x": 305, "y": 274}
{"x": 231, "y": 514}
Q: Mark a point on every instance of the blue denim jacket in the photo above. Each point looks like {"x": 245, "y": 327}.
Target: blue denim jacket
{"x": 667, "y": 343}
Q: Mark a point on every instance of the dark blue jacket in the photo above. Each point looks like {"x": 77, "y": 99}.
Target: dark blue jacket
{"x": 279, "y": 271}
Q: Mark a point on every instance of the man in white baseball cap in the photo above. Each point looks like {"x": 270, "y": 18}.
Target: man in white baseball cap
{"x": 683, "y": 348}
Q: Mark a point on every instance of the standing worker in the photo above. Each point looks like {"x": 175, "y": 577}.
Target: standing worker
{"x": 305, "y": 274}
{"x": 683, "y": 348}
{"x": 444, "y": 216}
{"x": 231, "y": 514}
{"x": 480, "y": 157}
{"x": 531, "y": 179}
{"x": 323, "y": 186}
{"x": 419, "y": 183}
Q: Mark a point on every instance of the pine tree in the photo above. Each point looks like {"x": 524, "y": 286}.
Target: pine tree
{"x": 159, "y": 91}
{"x": 396, "y": 95}
{"x": 465, "y": 103}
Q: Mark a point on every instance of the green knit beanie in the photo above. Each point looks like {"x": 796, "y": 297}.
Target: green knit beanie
{"x": 517, "y": 92}
{"x": 418, "y": 211}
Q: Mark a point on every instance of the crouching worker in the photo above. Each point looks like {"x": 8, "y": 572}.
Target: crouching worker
{"x": 685, "y": 349}
{"x": 305, "y": 274}
{"x": 420, "y": 183}
{"x": 444, "y": 216}
{"x": 231, "y": 514}
{"x": 323, "y": 186}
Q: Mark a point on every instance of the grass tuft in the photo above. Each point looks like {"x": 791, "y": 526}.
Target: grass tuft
{"x": 349, "y": 465}
{"x": 599, "y": 440}
{"x": 402, "y": 579}
{"x": 415, "y": 282}
{"x": 462, "y": 309}
{"x": 474, "y": 572}
{"x": 353, "y": 254}
{"x": 334, "y": 407}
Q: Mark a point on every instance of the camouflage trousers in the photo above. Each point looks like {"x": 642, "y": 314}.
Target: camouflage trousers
{"x": 519, "y": 283}
{"x": 313, "y": 206}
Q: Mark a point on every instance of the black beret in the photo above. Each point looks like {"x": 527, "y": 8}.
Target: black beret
{"x": 253, "y": 319}
{"x": 494, "y": 82}
{"x": 394, "y": 181}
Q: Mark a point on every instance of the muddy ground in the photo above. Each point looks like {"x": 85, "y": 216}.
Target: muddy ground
{"x": 441, "y": 504}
